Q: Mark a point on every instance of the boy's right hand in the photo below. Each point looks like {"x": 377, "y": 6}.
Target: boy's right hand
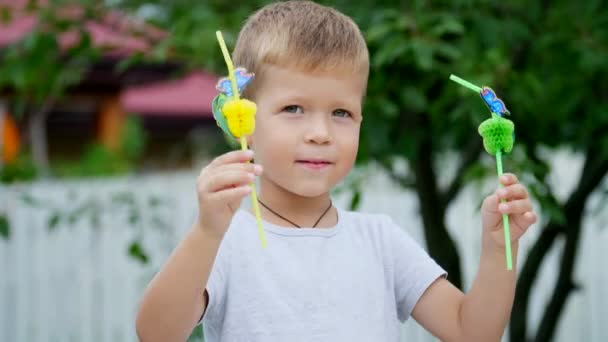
{"x": 221, "y": 186}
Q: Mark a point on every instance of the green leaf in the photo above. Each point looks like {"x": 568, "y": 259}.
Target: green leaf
{"x": 31, "y": 201}
{"x": 477, "y": 172}
{"x": 447, "y": 26}
{"x": 134, "y": 217}
{"x": 20, "y": 170}
{"x": 423, "y": 54}
{"x": 126, "y": 63}
{"x": 414, "y": 98}
{"x": 133, "y": 138}
{"x": 31, "y": 6}
{"x": 156, "y": 201}
{"x": 5, "y": 228}
{"x": 377, "y": 32}
{"x": 5, "y": 15}
{"x": 75, "y": 215}
{"x": 126, "y": 198}
{"x": 54, "y": 220}
{"x": 137, "y": 252}
{"x": 355, "y": 199}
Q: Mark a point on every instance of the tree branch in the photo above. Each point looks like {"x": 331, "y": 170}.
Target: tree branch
{"x": 38, "y": 138}
{"x": 594, "y": 170}
{"x": 527, "y": 277}
{"x": 530, "y": 269}
{"x": 440, "y": 244}
{"x": 404, "y": 181}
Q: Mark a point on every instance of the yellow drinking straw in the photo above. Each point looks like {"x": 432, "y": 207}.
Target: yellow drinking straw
{"x": 240, "y": 116}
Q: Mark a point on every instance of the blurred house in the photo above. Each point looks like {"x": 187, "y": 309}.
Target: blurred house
{"x": 96, "y": 108}
{"x": 176, "y": 115}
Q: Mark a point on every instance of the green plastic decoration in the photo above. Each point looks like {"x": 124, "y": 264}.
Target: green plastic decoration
{"x": 498, "y": 138}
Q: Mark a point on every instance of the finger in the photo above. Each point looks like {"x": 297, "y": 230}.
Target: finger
{"x": 508, "y": 179}
{"x": 256, "y": 169}
{"x": 232, "y": 194}
{"x": 530, "y": 217}
{"x": 515, "y": 207}
{"x": 229, "y": 179}
{"x": 491, "y": 202}
{"x": 239, "y": 156}
{"x": 207, "y": 174}
{"x": 512, "y": 192}
{"x": 526, "y": 220}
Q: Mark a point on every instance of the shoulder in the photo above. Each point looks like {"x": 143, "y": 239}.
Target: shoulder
{"x": 375, "y": 227}
{"x": 377, "y": 223}
{"x": 382, "y": 229}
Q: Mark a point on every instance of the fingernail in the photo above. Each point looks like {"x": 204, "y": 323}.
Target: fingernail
{"x": 502, "y": 192}
{"x": 257, "y": 169}
{"x": 503, "y": 207}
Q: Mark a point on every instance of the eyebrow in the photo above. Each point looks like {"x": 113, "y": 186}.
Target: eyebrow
{"x": 292, "y": 98}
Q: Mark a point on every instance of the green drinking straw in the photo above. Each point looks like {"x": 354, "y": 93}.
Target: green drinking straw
{"x": 497, "y": 133}
{"x": 465, "y": 83}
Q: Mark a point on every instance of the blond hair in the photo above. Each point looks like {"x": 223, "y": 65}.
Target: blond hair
{"x": 304, "y": 35}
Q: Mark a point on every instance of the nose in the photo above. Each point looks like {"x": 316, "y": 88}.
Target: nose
{"x": 319, "y": 131}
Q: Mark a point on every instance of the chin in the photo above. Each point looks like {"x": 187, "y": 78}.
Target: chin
{"x": 309, "y": 189}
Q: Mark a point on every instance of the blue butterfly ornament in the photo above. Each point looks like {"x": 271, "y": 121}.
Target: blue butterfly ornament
{"x": 243, "y": 78}
{"x": 495, "y": 104}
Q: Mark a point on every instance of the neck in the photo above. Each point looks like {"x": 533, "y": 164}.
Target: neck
{"x": 302, "y": 210}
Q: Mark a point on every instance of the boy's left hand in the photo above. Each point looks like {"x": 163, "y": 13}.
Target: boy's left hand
{"x": 518, "y": 206}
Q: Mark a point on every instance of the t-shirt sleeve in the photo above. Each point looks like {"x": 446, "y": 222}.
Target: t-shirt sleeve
{"x": 414, "y": 270}
{"x": 216, "y": 287}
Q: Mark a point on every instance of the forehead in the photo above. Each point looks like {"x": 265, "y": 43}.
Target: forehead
{"x": 291, "y": 81}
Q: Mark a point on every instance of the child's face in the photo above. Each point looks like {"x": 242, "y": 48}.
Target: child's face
{"x": 307, "y": 128}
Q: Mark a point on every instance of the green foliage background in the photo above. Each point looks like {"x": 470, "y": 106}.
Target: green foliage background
{"x": 547, "y": 60}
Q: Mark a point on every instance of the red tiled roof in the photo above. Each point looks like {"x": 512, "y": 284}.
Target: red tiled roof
{"x": 191, "y": 95}
{"x": 118, "y": 34}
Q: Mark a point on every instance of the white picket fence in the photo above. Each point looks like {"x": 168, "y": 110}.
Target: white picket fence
{"x": 75, "y": 282}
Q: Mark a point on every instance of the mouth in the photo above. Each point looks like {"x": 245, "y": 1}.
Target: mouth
{"x": 314, "y": 164}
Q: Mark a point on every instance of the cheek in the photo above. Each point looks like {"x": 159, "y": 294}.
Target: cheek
{"x": 351, "y": 154}
{"x": 349, "y": 141}
{"x": 271, "y": 143}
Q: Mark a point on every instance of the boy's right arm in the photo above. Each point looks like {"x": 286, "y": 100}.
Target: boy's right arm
{"x": 175, "y": 299}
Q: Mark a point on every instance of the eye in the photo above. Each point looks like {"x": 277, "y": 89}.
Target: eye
{"x": 293, "y": 109}
{"x": 342, "y": 113}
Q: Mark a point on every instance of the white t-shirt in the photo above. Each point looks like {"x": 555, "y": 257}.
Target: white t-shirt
{"x": 353, "y": 282}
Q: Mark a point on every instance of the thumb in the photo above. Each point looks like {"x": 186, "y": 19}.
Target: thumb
{"x": 490, "y": 203}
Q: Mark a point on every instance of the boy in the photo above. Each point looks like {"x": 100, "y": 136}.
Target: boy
{"x": 327, "y": 274}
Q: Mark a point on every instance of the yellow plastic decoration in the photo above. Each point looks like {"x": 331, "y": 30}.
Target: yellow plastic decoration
{"x": 240, "y": 114}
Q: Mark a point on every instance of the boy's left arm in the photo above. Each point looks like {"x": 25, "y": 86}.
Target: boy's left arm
{"x": 482, "y": 314}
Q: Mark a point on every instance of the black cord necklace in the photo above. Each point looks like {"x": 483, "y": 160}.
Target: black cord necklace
{"x": 279, "y": 215}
